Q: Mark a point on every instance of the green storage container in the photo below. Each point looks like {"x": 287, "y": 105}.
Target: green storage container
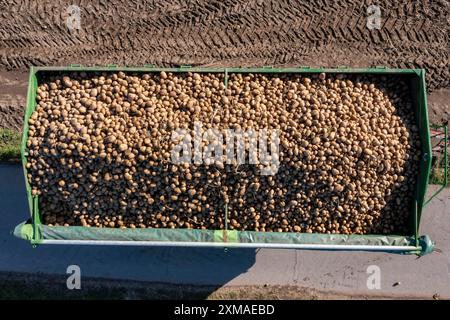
{"x": 38, "y": 233}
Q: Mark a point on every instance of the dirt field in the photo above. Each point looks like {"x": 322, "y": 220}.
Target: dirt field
{"x": 413, "y": 34}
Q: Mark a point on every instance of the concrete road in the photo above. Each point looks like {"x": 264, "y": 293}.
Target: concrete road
{"x": 344, "y": 272}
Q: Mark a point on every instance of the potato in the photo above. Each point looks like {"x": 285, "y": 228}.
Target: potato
{"x": 100, "y": 152}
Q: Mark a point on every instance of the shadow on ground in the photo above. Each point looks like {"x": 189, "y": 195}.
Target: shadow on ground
{"x": 209, "y": 267}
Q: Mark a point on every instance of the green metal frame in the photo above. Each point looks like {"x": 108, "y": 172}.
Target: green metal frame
{"x": 444, "y": 184}
{"x": 417, "y": 77}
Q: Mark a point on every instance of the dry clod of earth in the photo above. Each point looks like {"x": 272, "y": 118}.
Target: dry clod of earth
{"x": 100, "y": 152}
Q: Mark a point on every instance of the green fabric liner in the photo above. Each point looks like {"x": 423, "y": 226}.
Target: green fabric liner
{"x": 25, "y": 231}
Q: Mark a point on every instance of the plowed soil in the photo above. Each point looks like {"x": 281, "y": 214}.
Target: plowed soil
{"x": 413, "y": 34}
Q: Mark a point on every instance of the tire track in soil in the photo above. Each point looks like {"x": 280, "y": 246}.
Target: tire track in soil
{"x": 228, "y": 33}
{"x": 11, "y": 117}
{"x": 13, "y": 88}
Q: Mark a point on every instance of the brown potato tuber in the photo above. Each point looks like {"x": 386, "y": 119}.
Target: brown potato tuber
{"x": 100, "y": 152}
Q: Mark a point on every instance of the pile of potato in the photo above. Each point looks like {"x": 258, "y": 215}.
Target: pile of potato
{"x": 100, "y": 152}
